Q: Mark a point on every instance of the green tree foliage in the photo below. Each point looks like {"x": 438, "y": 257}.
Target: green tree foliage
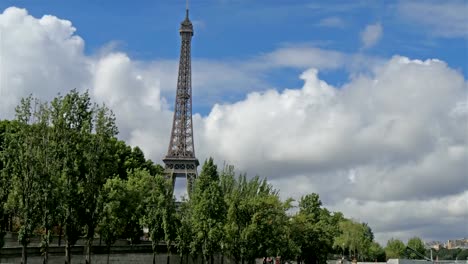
{"x": 395, "y": 249}
{"x": 376, "y": 252}
{"x": 450, "y": 254}
{"x": 368, "y": 232}
{"x": 54, "y": 161}
{"x": 416, "y": 244}
{"x": 267, "y": 233}
{"x": 129, "y": 159}
{"x": 123, "y": 203}
{"x": 71, "y": 125}
{"x": 159, "y": 212}
{"x": 462, "y": 255}
{"x": 127, "y": 202}
{"x": 355, "y": 237}
{"x": 117, "y": 208}
{"x": 184, "y": 229}
{"x": 256, "y": 222}
{"x": 139, "y": 184}
{"x": 313, "y": 229}
{"x": 24, "y": 160}
{"x": 208, "y": 212}
{"x": 99, "y": 166}
{"x": 5, "y": 176}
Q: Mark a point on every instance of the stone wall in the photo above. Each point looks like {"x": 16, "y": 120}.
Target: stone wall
{"x": 133, "y": 258}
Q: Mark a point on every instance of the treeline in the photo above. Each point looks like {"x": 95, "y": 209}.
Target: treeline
{"x": 63, "y": 172}
{"x": 450, "y": 254}
{"x": 415, "y": 248}
{"x": 54, "y": 160}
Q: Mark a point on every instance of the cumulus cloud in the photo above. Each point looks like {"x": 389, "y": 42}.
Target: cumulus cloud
{"x": 446, "y": 19}
{"x": 371, "y": 35}
{"x": 377, "y": 120}
{"x": 389, "y": 147}
{"x": 38, "y": 55}
{"x": 382, "y": 139}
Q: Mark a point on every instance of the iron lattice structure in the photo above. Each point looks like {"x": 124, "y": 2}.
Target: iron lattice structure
{"x": 180, "y": 160}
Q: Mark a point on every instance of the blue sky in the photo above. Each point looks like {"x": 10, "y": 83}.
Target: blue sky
{"x": 240, "y": 30}
{"x": 363, "y": 102}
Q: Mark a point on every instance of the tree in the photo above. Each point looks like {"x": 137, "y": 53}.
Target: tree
{"x": 6, "y": 127}
{"x": 394, "y": 249}
{"x": 267, "y": 233}
{"x": 313, "y": 229}
{"x": 462, "y": 255}
{"x": 256, "y": 221}
{"x": 158, "y": 208}
{"x": 416, "y": 243}
{"x": 99, "y": 166}
{"x": 169, "y": 219}
{"x": 208, "y": 212}
{"x": 184, "y": 229}
{"x": 24, "y": 160}
{"x": 118, "y": 207}
{"x": 376, "y": 252}
{"x": 368, "y": 232}
{"x": 48, "y": 191}
{"x": 71, "y": 122}
{"x": 355, "y": 237}
{"x": 124, "y": 204}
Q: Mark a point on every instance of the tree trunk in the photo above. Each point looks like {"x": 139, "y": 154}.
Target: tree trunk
{"x": 67, "y": 253}
{"x": 46, "y": 257}
{"x": 24, "y": 254}
{"x": 108, "y": 253}
{"x": 89, "y": 245}
{"x": 222, "y": 259}
{"x": 60, "y": 236}
{"x": 46, "y": 247}
{"x": 154, "y": 246}
{"x": 11, "y": 223}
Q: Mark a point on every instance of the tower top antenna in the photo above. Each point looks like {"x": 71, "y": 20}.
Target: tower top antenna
{"x": 187, "y": 7}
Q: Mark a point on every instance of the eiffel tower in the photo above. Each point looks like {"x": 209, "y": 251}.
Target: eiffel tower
{"x": 180, "y": 160}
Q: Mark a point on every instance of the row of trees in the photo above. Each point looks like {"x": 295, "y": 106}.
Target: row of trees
{"x": 64, "y": 171}
{"x": 55, "y": 159}
{"x": 450, "y": 254}
{"x": 397, "y": 249}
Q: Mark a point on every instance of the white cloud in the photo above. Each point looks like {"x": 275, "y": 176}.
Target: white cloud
{"x": 38, "y": 55}
{"x": 447, "y": 19}
{"x": 403, "y": 219}
{"x": 386, "y": 138}
{"x": 389, "y": 147}
{"x": 375, "y": 124}
{"x": 303, "y": 57}
{"x": 333, "y": 22}
{"x": 371, "y": 35}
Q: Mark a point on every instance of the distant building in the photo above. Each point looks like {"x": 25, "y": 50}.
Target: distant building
{"x": 457, "y": 243}
{"x": 434, "y": 245}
